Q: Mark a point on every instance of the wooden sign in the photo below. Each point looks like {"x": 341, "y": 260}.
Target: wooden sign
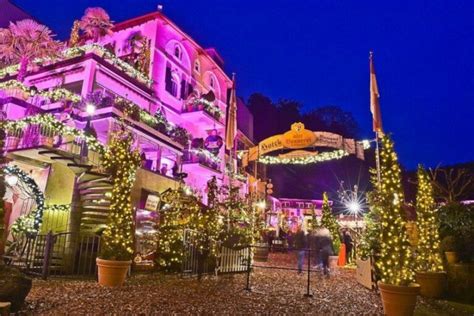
{"x": 364, "y": 272}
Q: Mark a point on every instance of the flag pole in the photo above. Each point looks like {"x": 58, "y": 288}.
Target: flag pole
{"x": 376, "y": 117}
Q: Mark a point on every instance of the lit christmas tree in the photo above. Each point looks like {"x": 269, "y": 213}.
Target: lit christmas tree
{"x": 178, "y": 212}
{"x": 208, "y": 224}
{"x": 428, "y": 251}
{"x": 122, "y": 163}
{"x": 394, "y": 262}
{"x": 329, "y": 221}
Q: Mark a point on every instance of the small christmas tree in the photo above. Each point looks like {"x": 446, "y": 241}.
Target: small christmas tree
{"x": 394, "y": 263}
{"x": 122, "y": 163}
{"x": 208, "y": 223}
{"x": 329, "y": 221}
{"x": 428, "y": 252}
{"x": 179, "y": 211}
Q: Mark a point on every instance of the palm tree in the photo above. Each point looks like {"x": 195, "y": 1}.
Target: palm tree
{"x": 24, "y": 41}
{"x": 96, "y": 23}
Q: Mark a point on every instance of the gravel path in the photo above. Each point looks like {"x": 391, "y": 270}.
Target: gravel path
{"x": 274, "y": 291}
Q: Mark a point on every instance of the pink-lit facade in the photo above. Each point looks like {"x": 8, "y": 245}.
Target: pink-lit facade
{"x": 181, "y": 80}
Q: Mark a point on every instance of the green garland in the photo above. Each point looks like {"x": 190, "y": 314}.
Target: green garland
{"x": 27, "y": 223}
{"x": 58, "y": 127}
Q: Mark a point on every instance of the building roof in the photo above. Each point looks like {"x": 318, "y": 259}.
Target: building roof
{"x": 11, "y": 13}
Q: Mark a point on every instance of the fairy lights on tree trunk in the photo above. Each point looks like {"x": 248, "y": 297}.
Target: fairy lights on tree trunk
{"x": 122, "y": 163}
{"x": 428, "y": 252}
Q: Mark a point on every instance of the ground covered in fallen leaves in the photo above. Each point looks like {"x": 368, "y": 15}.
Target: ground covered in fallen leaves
{"x": 273, "y": 291}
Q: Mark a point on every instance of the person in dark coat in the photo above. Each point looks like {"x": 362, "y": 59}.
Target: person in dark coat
{"x": 300, "y": 244}
{"x": 324, "y": 241}
{"x": 347, "y": 239}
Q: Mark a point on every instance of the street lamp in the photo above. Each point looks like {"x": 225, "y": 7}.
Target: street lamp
{"x": 90, "y": 109}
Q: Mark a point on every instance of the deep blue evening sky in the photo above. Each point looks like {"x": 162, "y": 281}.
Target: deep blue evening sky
{"x": 317, "y": 52}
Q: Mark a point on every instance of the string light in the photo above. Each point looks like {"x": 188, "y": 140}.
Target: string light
{"x": 394, "y": 263}
{"x": 428, "y": 256}
{"x": 329, "y": 221}
{"x": 122, "y": 163}
{"x": 29, "y": 223}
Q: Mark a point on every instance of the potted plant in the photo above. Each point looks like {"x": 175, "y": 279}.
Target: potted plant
{"x": 116, "y": 252}
{"x": 394, "y": 264}
{"x": 448, "y": 245}
{"x": 429, "y": 265}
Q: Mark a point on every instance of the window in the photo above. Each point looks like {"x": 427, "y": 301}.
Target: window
{"x": 171, "y": 82}
{"x": 197, "y": 66}
{"x": 177, "y": 52}
{"x": 211, "y": 82}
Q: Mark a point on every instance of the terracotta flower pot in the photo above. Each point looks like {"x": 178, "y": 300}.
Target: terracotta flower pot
{"x": 431, "y": 283}
{"x": 112, "y": 273}
{"x": 333, "y": 262}
{"x": 451, "y": 257}
{"x": 398, "y": 300}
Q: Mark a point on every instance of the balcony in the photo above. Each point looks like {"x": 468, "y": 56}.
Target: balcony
{"x": 201, "y": 158}
{"x": 203, "y": 113}
{"x": 40, "y": 142}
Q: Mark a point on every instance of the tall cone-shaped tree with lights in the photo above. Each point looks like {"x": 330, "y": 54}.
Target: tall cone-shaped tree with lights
{"x": 122, "y": 163}
{"x": 394, "y": 263}
{"x": 328, "y": 220}
{"x": 428, "y": 252}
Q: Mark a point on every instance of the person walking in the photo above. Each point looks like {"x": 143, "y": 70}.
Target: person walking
{"x": 327, "y": 249}
{"x": 347, "y": 239}
{"x": 300, "y": 246}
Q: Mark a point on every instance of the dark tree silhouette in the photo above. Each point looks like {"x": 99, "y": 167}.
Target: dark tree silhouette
{"x": 308, "y": 181}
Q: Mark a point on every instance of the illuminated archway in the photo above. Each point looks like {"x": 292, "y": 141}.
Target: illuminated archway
{"x": 299, "y": 138}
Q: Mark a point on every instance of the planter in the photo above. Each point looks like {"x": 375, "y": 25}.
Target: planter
{"x": 46, "y": 141}
{"x": 261, "y": 252}
{"x": 112, "y": 273}
{"x": 431, "y": 283}
{"x": 398, "y": 300}
{"x": 451, "y": 257}
{"x": 333, "y": 262}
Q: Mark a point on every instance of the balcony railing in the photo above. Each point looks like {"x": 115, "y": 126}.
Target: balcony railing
{"x": 202, "y": 157}
{"x": 205, "y": 106}
{"x": 35, "y": 136}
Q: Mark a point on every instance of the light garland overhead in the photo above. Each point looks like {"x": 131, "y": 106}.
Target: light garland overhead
{"x": 324, "y": 156}
{"x": 320, "y": 157}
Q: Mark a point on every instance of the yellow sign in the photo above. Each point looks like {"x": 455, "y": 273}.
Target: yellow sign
{"x": 298, "y": 137}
